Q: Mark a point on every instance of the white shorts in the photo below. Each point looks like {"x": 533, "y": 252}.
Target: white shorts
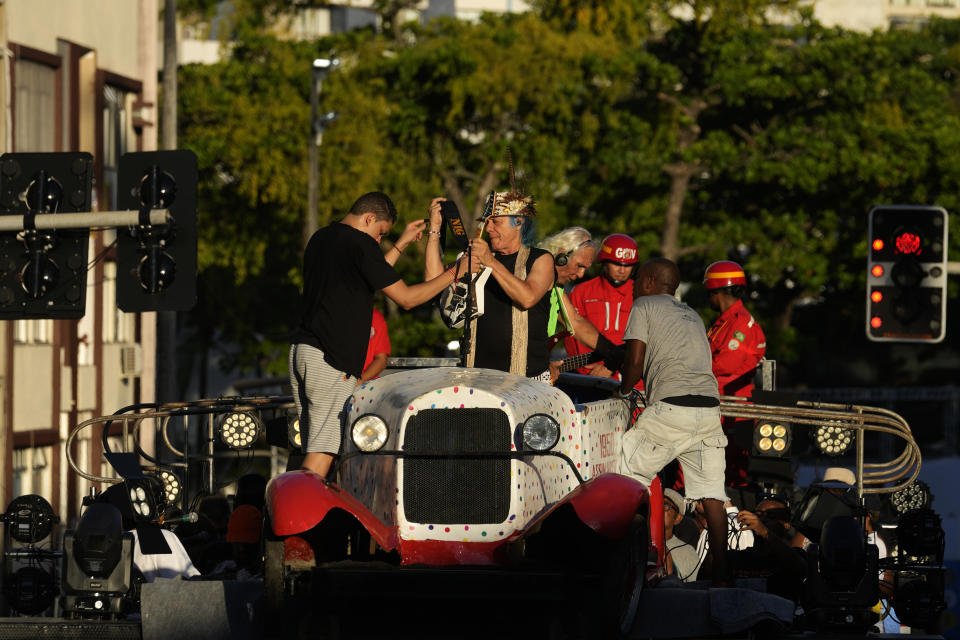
{"x": 666, "y": 432}
{"x": 320, "y": 392}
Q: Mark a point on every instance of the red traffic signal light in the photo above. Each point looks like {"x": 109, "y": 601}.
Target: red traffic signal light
{"x": 907, "y": 274}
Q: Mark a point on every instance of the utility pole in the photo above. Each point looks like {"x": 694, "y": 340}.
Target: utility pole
{"x": 167, "y": 320}
{"x": 319, "y": 69}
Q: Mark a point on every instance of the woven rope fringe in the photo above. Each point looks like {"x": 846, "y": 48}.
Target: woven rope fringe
{"x": 518, "y": 345}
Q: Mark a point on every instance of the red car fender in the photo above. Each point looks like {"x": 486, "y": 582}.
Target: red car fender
{"x": 607, "y": 503}
{"x": 299, "y": 500}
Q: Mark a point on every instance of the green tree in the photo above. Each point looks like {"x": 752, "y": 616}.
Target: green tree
{"x": 715, "y": 133}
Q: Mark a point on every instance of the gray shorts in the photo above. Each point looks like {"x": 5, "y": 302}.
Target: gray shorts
{"x": 320, "y": 392}
{"x": 665, "y": 432}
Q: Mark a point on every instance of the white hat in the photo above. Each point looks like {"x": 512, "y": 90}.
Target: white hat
{"x": 678, "y": 500}
{"x": 841, "y": 475}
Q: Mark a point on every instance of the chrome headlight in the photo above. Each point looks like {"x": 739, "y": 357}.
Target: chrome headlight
{"x": 540, "y": 432}
{"x": 369, "y": 433}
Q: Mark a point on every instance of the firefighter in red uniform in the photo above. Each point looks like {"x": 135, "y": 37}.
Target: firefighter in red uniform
{"x": 738, "y": 345}
{"x": 606, "y": 300}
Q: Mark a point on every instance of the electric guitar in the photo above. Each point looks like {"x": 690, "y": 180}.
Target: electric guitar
{"x": 455, "y": 300}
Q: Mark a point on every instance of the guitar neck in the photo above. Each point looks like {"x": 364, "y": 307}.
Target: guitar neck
{"x": 577, "y": 361}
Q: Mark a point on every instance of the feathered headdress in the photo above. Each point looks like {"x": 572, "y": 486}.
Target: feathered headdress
{"x": 509, "y": 203}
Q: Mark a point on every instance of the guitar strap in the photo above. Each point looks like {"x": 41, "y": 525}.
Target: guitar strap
{"x": 558, "y": 311}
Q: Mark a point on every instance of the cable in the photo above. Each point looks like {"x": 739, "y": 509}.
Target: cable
{"x": 100, "y": 256}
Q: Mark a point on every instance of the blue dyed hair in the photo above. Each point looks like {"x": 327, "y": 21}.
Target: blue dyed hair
{"x": 528, "y": 232}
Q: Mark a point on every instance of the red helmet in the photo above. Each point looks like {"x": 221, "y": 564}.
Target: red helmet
{"x": 618, "y": 248}
{"x": 724, "y": 273}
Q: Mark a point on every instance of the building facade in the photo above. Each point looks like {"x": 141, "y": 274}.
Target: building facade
{"x": 78, "y": 75}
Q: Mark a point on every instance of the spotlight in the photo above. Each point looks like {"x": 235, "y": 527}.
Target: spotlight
{"x": 172, "y": 487}
{"x": 97, "y": 565}
{"x": 841, "y": 586}
{"x": 293, "y": 432}
{"x": 920, "y": 533}
{"x": 915, "y": 495}
{"x": 240, "y": 429}
{"x": 29, "y": 519}
{"x": 771, "y": 438}
{"x": 29, "y": 590}
{"x": 833, "y": 440}
{"x": 146, "y": 497}
{"x": 920, "y": 602}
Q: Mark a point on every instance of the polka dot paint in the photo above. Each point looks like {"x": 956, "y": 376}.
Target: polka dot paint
{"x": 590, "y": 437}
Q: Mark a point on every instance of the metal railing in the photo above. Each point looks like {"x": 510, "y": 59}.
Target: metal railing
{"x": 164, "y": 418}
{"x": 887, "y": 476}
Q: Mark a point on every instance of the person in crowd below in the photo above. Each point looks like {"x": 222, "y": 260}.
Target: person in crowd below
{"x": 682, "y": 558}
{"x": 378, "y": 350}
{"x": 251, "y": 489}
{"x": 693, "y": 531}
{"x": 211, "y": 549}
{"x": 343, "y": 268}
{"x": 667, "y": 348}
{"x": 605, "y": 301}
{"x": 511, "y": 335}
{"x": 772, "y": 555}
{"x": 573, "y": 251}
{"x": 737, "y": 345}
{"x": 243, "y": 536}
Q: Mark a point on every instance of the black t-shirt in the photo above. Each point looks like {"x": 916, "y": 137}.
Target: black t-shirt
{"x": 342, "y": 269}
{"x": 495, "y": 326}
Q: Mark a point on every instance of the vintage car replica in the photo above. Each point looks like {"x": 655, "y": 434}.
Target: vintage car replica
{"x": 444, "y": 469}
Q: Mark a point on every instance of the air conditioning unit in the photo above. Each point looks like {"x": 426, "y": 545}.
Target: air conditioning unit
{"x": 131, "y": 360}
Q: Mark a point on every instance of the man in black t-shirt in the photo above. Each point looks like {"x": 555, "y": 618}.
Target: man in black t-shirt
{"x": 343, "y": 267}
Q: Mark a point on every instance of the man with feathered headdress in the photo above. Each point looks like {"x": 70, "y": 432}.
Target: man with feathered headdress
{"x": 511, "y": 335}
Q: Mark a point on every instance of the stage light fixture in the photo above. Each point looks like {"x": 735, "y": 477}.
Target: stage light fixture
{"x": 771, "y": 438}
{"x": 146, "y": 496}
{"x": 97, "y": 565}
{"x": 920, "y": 602}
{"x": 240, "y": 429}
{"x": 172, "y": 487}
{"x": 915, "y": 495}
{"x": 29, "y": 519}
{"x": 293, "y": 432}
{"x": 920, "y": 533}
{"x": 833, "y": 440}
{"x": 30, "y": 590}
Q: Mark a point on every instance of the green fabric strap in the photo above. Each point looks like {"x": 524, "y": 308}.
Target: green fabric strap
{"x": 557, "y": 310}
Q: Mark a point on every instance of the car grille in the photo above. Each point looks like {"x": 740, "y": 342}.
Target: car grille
{"x": 457, "y": 490}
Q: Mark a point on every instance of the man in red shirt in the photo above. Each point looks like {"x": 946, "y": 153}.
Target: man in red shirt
{"x": 605, "y": 301}
{"x": 737, "y": 344}
{"x": 378, "y": 350}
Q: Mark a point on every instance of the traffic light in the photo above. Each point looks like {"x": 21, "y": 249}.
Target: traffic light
{"x": 157, "y": 265}
{"x": 43, "y": 272}
{"x": 907, "y": 274}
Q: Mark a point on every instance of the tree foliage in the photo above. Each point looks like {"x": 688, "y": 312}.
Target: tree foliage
{"x": 704, "y": 129}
